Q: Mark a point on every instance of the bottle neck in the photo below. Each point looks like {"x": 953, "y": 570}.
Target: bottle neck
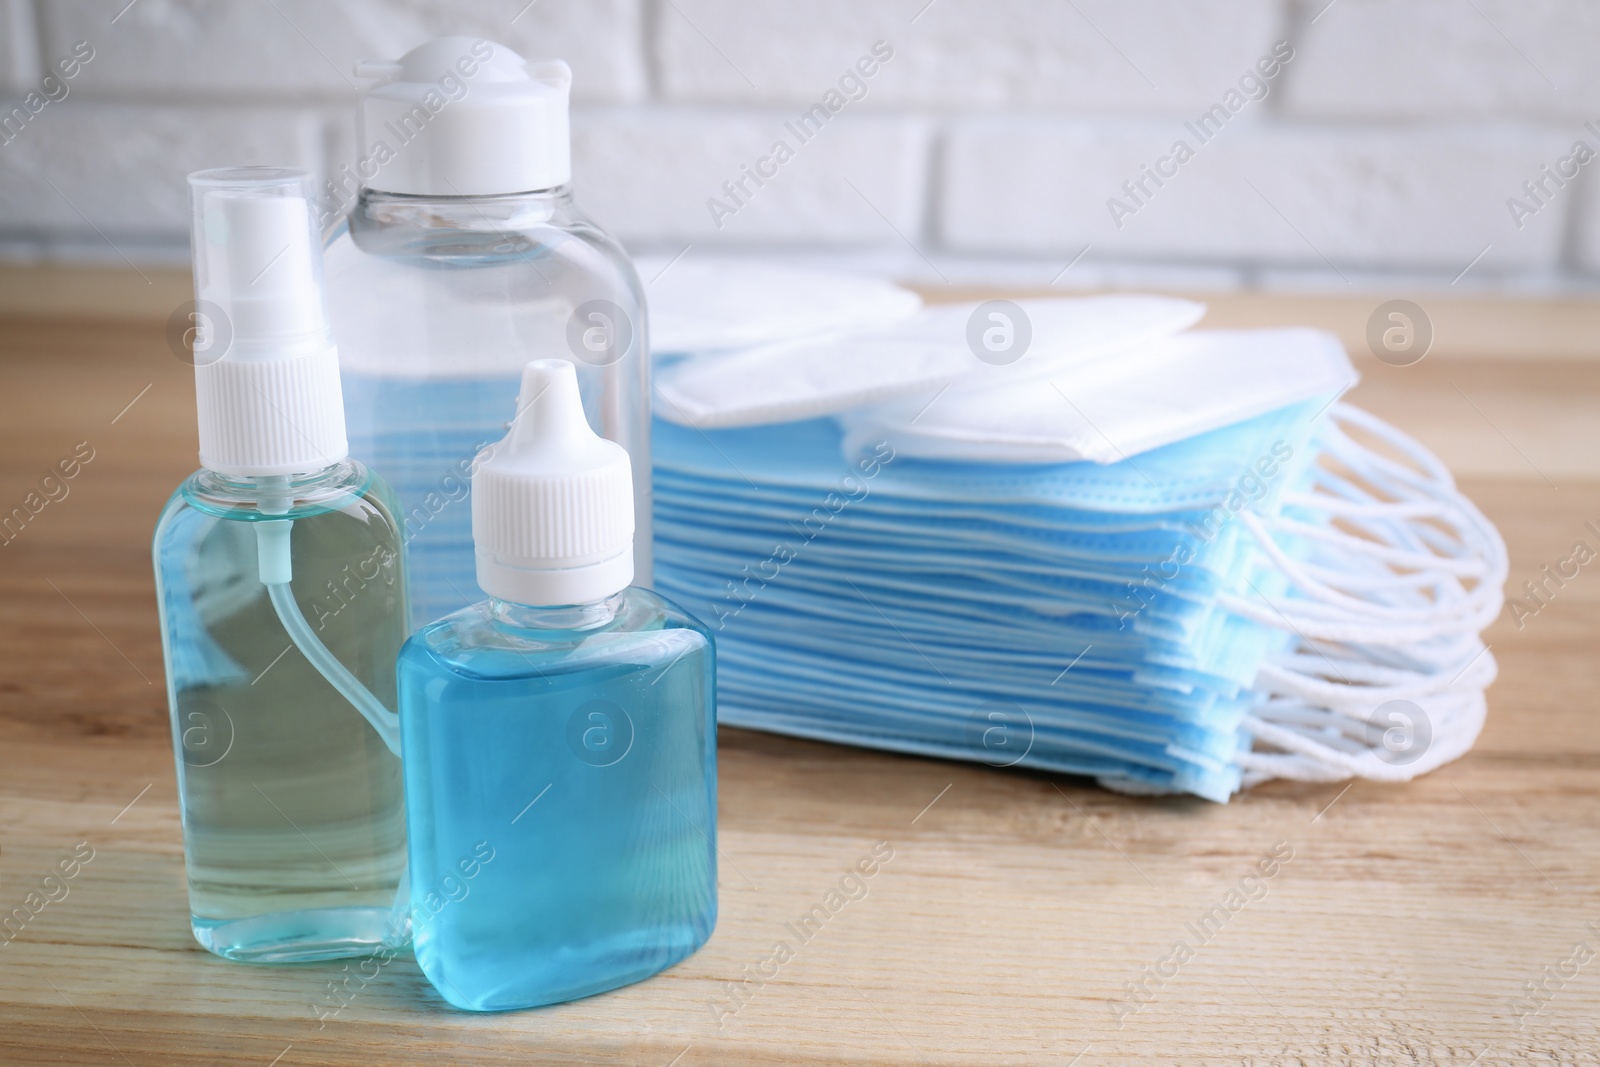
{"x": 556, "y": 616}
{"x": 281, "y": 493}
{"x": 470, "y": 213}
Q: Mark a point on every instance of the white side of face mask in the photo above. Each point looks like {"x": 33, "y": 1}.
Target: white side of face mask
{"x": 1142, "y": 396}
{"x": 929, "y": 350}
{"x": 714, "y": 305}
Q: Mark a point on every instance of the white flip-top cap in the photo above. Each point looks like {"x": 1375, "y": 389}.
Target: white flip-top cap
{"x": 462, "y": 116}
{"x": 552, "y": 502}
{"x": 267, "y": 375}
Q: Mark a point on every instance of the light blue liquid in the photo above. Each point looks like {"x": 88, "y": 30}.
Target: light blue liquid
{"x": 560, "y": 773}
{"x": 293, "y": 831}
{"x": 422, "y": 437}
{"x": 438, "y": 302}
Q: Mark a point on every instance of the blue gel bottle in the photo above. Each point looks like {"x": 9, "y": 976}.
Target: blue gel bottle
{"x": 560, "y": 737}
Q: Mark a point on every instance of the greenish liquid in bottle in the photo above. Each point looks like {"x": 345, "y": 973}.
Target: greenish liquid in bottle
{"x": 292, "y": 805}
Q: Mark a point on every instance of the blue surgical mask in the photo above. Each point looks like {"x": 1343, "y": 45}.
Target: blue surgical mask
{"x": 1250, "y": 462}
{"x": 890, "y": 598}
{"x": 1167, "y": 565}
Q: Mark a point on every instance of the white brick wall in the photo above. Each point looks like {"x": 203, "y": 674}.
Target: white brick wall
{"x": 1427, "y": 199}
{"x": 649, "y": 172}
{"x": 1428, "y": 59}
{"x": 989, "y": 142}
{"x": 965, "y": 55}
{"x": 19, "y": 60}
{"x": 112, "y": 164}
{"x": 295, "y": 49}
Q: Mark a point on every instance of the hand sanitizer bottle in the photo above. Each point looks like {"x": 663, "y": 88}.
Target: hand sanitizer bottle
{"x": 462, "y": 258}
{"x": 281, "y": 588}
{"x": 560, "y": 737}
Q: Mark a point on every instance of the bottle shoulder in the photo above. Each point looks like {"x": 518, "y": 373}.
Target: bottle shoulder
{"x": 418, "y": 297}
{"x": 644, "y": 630}
{"x": 289, "y": 497}
{"x": 347, "y": 489}
{"x": 532, "y": 269}
{"x": 527, "y": 231}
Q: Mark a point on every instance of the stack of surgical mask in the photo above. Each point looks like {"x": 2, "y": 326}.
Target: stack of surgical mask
{"x": 1079, "y": 536}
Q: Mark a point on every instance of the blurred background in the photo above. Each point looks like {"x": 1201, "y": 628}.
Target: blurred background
{"x": 1352, "y": 146}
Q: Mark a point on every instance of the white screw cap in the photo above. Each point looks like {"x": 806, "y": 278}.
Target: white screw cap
{"x": 552, "y": 502}
{"x": 462, "y": 116}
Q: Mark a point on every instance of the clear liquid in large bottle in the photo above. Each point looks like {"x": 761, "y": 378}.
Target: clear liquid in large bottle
{"x": 438, "y": 302}
{"x": 293, "y": 818}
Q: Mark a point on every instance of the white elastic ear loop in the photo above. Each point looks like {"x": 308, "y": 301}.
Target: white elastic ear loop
{"x": 1319, "y": 609}
{"x": 1456, "y": 511}
{"x": 1338, "y": 581}
{"x": 1330, "y": 766}
{"x": 1394, "y": 607}
{"x": 1437, "y": 498}
{"x": 1455, "y": 727}
{"x": 1397, "y": 556}
{"x": 1382, "y": 664}
{"x": 1317, "y": 591}
{"x": 1311, "y": 619}
{"x": 1431, "y": 465}
{"x": 1357, "y": 688}
{"x": 1391, "y": 520}
{"x": 1398, "y": 636}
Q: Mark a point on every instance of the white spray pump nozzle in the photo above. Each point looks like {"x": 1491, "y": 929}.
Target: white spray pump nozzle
{"x": 552, "y": 502}
{"x": 257, "y": 255}
{"x": 267, "y": 381}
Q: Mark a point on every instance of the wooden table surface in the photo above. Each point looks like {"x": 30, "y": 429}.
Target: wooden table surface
{"x": 1017, "y": 906}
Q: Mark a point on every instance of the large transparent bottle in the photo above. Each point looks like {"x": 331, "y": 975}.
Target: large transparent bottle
{"x": 280, "y": 579}
{"x": 560, "y": 738}
{"x": 462, "y": 258}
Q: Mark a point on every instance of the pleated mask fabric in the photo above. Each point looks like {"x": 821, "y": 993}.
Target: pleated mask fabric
{"x": 1199, "y": 572}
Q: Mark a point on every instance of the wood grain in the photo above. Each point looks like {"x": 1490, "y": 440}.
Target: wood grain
{"x": 1016, "y": 906}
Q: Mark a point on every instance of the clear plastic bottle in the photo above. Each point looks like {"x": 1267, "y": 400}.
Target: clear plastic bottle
{"x": 293, "y": 827}
{"x": 280, "y": 579}
{"x": 462, "y": 258}
{"x": 560, "y": 760}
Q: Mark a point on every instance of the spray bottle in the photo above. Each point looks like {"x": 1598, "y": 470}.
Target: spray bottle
{"x": 280, "y": 579}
